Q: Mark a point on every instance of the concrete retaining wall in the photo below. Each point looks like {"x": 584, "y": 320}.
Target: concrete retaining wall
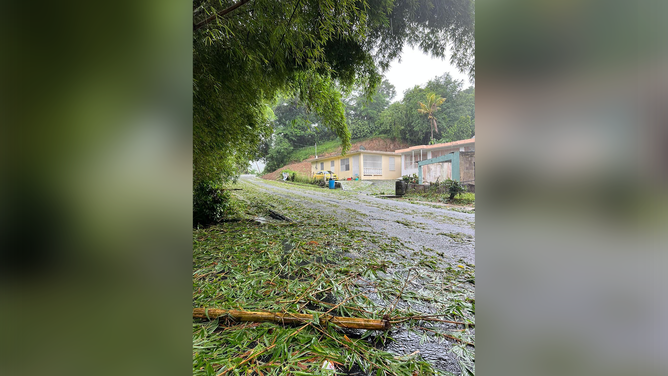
{"x": 467, "y": 167}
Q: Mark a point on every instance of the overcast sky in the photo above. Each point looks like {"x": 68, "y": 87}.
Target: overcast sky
{"x": 416, "y": 68}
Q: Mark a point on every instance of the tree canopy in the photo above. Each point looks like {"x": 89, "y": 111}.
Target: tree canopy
{"x": 363, "y": 113}
{"x": 399, "y": 120}
{"x": 247, "y": 52}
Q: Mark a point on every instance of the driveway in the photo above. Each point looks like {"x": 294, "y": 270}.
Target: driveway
{"x": 447, "y": 233}
{"x": 436, "y": 244}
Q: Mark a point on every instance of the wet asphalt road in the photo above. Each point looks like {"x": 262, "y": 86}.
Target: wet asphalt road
{"x": 419, "y": 227}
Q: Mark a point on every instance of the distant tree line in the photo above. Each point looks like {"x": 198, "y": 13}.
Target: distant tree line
{"x": 294, "y": 125}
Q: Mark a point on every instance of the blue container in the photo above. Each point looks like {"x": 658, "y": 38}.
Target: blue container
{"x": 332, "y": 184}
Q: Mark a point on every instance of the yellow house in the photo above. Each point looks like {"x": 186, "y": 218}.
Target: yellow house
{"x": 365, "y": 164}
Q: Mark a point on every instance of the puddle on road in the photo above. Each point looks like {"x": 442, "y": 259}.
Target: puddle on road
{"x": 261, "y": 220}
{"x": 437, "y": 354}
{"x": 404, "y": 342}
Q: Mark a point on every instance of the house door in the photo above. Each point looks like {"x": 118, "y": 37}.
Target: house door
{"x": 356, "y": 165}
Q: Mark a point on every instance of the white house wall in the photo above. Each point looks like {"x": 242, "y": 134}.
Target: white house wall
{"x": 436, "y": 171}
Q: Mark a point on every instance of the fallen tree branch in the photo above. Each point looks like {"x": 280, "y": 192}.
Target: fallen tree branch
{"x": 219, "y": 14}
{"x": 291, "y": 318}
{"x": 278, "y": 215}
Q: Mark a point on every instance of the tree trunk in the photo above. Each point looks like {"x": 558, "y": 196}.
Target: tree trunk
{"x": 432, "y": 132}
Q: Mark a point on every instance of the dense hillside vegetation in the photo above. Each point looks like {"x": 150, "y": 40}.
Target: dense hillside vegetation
{"x": 296, "y": 130}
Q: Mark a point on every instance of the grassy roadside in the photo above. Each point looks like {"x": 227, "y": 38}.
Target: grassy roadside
{"x": 316, "y": 265}
{"x": 465, "y": 199}
{"x": 308, "y": 151}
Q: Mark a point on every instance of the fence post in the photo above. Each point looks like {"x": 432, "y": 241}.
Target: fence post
{"x": 455, "y": 166}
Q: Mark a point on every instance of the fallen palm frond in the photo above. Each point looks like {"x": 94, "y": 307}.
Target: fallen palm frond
{"x": 292, "y": 318}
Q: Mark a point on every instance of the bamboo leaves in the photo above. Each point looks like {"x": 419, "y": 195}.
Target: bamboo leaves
{"x": 298, "y": 269}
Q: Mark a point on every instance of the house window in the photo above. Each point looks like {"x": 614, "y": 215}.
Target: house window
{"x": 438, "y": 153}
{"x": 331, "y": 165}
{"x": 391, "y": 163}
{"x": 412, "y": 160}
{"x": 345, "y": 164}
{"x": 373, "y": 165}
{"x": 409, "y": 161}
{"x": 322, "y": 165}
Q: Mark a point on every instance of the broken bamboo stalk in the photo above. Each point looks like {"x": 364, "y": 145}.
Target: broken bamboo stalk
{"x": 292, "y": 318}
{"x": 278, "y": 215}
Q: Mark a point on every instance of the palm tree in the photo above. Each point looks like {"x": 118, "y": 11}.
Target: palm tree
{"x": 432, "y": 106}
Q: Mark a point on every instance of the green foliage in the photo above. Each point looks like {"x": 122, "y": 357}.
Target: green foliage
{"x": 392, "y": 121}
{"x": 436, "y": 194}
{"x": 364, "y": 115}
{"x": 465, "y": 198}
{"x": 210, "y": 203}
{"x": 295, "y": 124}
{"x": 429, "y": 107}
{"x": 413, "y": 179}
{"x": 309, "y": 49}
{"x": 398, "y": 120}
{"x": 461, "y": 130}
{"x": 301, "y": 154}
{"x": 454, "y": 188}
{"x": 401, "y": 120}
{"x": 279, "y": 154}
{"x": 296, "y": 177}
{"x": 297, "y": 268}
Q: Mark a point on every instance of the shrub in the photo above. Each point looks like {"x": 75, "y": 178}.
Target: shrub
{"x": 410, "y": 178}
{"x": 454, "y": 188}
{"x": 210, "y": 203}
{"x": 304, "y": 179}
{"x": 296, "y": 177}
{"x": 464, "y": 199}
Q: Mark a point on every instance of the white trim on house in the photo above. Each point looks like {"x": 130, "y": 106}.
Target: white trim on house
{"x": 409, "y": 161}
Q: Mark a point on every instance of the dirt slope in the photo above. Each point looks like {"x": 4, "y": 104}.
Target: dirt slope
{"x": 302, "y": 167}
{"x": 374, "y": 144}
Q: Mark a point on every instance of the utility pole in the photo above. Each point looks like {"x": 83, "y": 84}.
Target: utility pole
{"x": 315, "y": 125}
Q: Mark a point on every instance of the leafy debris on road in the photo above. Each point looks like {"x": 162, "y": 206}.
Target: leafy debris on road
{"x": 319, "y": 265}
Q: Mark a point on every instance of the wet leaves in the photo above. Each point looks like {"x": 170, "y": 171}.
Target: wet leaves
{"x": 316, "y": 265}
